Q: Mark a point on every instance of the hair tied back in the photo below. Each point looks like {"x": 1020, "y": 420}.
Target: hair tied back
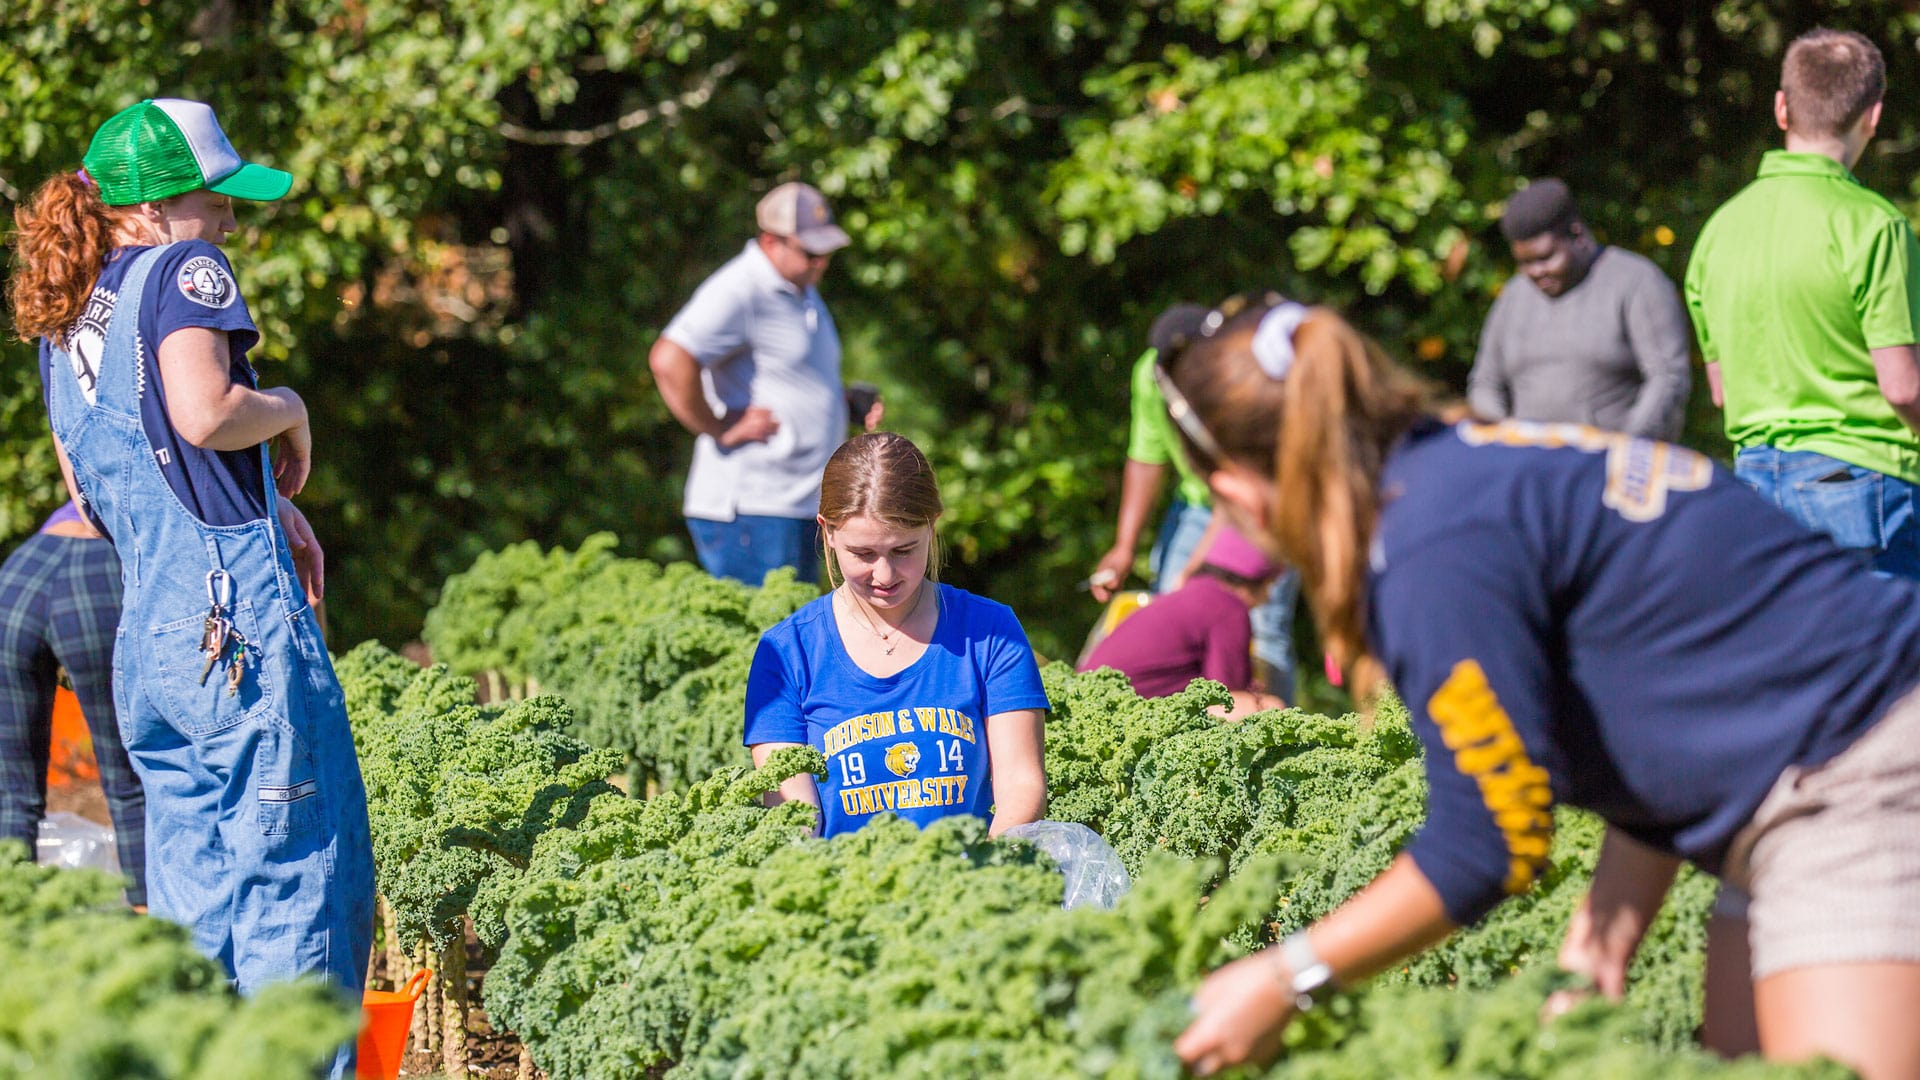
{"x": 1273, "y": 339}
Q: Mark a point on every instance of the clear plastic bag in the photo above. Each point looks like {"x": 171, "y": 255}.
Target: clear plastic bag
{"x": 69, "y": 840}
{"x": 1095, "y": 875}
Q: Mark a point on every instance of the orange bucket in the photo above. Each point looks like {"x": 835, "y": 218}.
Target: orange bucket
{"x": 71, "y": 759}
{"x": 383, "y": 1032}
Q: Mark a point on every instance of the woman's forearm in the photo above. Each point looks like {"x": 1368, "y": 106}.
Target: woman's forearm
{"x": 1016, "y": 745}
{"x": 243, "y": 418}
{"x": 1398, "y": 915}
{"x": 207, "y": 407}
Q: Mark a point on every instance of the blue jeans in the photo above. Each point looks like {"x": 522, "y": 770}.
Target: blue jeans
{"x": 257, "y": 837}
{"x": 750, "y": 545}
{"x": 1180, "y": 533}
{"x": 1866, "y": 512}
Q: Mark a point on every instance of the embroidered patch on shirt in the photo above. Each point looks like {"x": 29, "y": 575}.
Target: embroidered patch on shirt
{"x": 204, "y": 281}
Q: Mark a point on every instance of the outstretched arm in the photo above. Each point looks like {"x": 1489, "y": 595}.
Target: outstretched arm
{"x": 1629, "y": 884}
{"x": 1243, "y": 1009}
{"x": 1139, "y": 487}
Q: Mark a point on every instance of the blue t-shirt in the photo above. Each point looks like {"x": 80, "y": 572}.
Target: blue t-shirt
{"x": 1618, "y": 624}
{"x": 912, "y": 744}
{"x": 192, "y": 286}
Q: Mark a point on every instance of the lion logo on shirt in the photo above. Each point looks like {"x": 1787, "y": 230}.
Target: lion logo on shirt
{"x": 204, "y": 281}
{"x": 903, "y": 758}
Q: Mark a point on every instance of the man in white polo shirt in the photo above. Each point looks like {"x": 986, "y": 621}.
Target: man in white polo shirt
{"x": 752, "y": 367}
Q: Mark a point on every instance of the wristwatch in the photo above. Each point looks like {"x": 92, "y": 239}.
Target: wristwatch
{"x": 1308, "y": 976}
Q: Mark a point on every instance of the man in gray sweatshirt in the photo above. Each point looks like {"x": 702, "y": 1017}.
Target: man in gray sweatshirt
{"x": 1584, "y": 333}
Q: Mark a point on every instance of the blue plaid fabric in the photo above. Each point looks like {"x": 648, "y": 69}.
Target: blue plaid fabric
{"x": 59, "y": 607}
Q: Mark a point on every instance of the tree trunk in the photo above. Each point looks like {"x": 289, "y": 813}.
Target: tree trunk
{"x": 453, "y": 1005}
{"x": 526, "y": 1070}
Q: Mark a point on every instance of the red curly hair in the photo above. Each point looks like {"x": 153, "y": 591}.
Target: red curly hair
{"x": 64, "y": 235}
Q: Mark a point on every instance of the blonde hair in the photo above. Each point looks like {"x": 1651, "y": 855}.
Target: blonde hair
{"x": 62, "y": 238}
{"x": 1321, "y": 436}
{"x": 885, "y": 477}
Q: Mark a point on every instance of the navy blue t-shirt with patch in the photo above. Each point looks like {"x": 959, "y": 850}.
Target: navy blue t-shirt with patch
{"x": 191, "y": 286}
{"x": 1615, "y": 623}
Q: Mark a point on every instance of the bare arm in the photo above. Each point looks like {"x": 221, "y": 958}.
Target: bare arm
{"x": 1139, "y": 487}
{"x": 1630, "y": 882}
{"x": 799, "y": 788}
{"x": 1713, "y": 384}
{"x": 213, "y": 412}
{"x": 66, "y": 473}
{"x": 1242, "y": 1010}
{"x": 1897, "y": 367}
{"x": 1016, "y": 745}
{"x": 677, "y": 373}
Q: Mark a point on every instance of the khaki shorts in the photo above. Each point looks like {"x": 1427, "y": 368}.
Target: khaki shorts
{"x": 1828, "y": 869}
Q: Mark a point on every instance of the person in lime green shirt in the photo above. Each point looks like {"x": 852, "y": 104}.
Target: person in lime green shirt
{"x": 1805, "y": 295}
{"x": 1188, "y": 529}
{"x": 1151, "y": 449}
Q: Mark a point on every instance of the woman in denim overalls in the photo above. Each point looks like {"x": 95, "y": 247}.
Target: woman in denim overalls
{"x": 257, "y": 821}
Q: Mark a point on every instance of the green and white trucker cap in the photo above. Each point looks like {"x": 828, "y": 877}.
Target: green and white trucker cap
{"x": 166, "y": 146}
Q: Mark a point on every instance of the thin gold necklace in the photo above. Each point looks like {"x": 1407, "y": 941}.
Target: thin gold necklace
{"x": 887, "y": 638}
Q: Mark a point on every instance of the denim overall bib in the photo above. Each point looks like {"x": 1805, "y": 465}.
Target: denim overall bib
{"x": 256, "y": 816}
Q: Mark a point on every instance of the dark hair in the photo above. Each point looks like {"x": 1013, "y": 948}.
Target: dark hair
{"x": 1174, "y": 327}
{"x": 1830, "y": 79}
{"x": 885, "y": 477}
{"x": 62, "y": 238}
{"x": 1543, "y": 206}
{"x": 1321, "y": 436}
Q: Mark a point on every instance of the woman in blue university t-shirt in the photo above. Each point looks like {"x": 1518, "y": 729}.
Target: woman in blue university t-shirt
{"x": 1580, "y": 617}
{"x": 925, "y": 698}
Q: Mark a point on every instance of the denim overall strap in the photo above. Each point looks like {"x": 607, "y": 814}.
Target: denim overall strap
{"x": 256, "y": 814}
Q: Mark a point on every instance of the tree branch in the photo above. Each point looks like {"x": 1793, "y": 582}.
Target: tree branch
{"x": 692, "y": 99}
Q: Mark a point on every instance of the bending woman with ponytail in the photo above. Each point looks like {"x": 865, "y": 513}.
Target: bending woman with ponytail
{"x": 256, "y": 817}
{"x": 1581, "y": 617}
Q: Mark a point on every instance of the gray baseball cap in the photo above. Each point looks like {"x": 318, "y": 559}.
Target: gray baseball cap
{"x": 800, "y": 211}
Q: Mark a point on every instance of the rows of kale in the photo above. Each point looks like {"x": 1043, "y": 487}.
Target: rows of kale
{"x": 697, "y": 932}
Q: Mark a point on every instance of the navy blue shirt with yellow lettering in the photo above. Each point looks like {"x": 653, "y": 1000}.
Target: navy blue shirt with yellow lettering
{"x": 913, "y": 743}
{"x": 1615, "y": 623}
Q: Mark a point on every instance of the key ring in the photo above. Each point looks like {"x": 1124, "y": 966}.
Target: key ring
{"x": 219, "y": 588}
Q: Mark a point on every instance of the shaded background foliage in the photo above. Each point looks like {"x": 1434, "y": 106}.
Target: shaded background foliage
{"x": 499, "y": 203}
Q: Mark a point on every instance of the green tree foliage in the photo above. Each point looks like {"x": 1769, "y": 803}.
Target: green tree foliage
{"x": 499, "y": 204}
{"x": 95, "y": 992}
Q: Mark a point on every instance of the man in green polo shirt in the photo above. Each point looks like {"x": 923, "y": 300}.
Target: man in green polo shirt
{"x": 1805, "y": 295}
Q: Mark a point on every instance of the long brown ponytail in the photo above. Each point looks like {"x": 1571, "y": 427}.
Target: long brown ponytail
{"x": 64, "y": 235}
{"x": 1322, "y": 435}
